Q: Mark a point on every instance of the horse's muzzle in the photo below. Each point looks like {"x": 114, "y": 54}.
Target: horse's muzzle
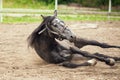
{"x": 72, "y": 38}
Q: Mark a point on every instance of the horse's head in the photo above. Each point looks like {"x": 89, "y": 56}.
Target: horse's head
{"x": 57, "y": 28}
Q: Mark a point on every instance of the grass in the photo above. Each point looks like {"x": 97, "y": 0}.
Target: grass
{"x": 29, "y": 4}
{"x": 25, "y": 19}
{"x": 88, "y": 18}
{"x": 34, "y": 4}
{"x": 28, "y": 19}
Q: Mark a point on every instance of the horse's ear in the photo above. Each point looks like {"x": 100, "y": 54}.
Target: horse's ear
{"x": 43, "y": 16}
{"x": 55, "y": 13}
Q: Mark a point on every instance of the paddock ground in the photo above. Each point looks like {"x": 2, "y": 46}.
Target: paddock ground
{"x": 17, "y": 62}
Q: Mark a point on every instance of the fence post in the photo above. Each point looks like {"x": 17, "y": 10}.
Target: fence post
{"x": 1, "y": 17}
{"x": 109, "y": 9}
{"x": 56, "y": 4}
{"x": 110, "y": 5}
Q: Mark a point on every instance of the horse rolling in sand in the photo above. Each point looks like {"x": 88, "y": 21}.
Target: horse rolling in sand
{"x": 43, "y": 40}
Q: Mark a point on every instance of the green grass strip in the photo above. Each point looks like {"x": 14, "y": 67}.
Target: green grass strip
{"x": 28, "y": 19}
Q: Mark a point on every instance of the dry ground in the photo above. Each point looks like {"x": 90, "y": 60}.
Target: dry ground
{"x": 17, "y": 62}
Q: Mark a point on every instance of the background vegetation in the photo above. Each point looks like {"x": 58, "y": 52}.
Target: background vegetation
{"x": 49, "y": 4}
{"x": 32, "y": 4}
{"x": 92, "y": 3}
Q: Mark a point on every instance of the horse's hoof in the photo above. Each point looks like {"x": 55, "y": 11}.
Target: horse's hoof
{"x": 110, "y": 62}
{"x": 92, "y": 62}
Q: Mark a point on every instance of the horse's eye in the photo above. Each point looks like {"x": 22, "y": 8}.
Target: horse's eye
{"x": 55, "y": 25}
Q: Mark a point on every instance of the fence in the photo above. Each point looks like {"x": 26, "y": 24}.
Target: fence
{"x": 9, "y": 12}
{"x": 0, "y": 11}
{"x": 24, "y": 12}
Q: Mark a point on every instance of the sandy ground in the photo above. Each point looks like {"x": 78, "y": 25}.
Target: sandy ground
{"x": 17, "y": 62}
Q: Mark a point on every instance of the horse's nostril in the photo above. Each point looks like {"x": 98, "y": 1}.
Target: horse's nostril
{"x": 71, "y": 36}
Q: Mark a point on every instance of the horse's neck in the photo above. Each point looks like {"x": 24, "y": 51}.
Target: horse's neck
{"x": 47, "y": 41}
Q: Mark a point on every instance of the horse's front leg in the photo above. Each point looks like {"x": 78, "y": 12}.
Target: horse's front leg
{"x": 69, "y": 55}
{"x": 108, "y": 61}
{"x": 106, "y": 56}
{"x": 80, "y": 42}
{"x": 69, "y": 64}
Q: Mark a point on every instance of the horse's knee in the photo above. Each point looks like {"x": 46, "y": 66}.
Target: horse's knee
{"x": 59, "y": 60}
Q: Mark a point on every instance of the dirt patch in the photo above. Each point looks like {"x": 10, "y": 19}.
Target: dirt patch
{"x": 17, "y": 62}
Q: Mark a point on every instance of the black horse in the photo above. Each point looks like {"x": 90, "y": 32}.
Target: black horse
{"x": 43, "y": 40}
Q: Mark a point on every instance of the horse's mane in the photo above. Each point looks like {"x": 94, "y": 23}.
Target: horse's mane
{"x": 34, "y": 37}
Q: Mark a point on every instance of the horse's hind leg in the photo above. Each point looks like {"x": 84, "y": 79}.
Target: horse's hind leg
{"x": 108, "y": 61}
{"x": 79, "y": 42}
{"x": 106, "y": 56}
{"x": 69, "y": 64}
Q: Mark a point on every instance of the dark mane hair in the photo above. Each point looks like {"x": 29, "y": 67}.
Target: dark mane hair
{"x": 34, "y": 36}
